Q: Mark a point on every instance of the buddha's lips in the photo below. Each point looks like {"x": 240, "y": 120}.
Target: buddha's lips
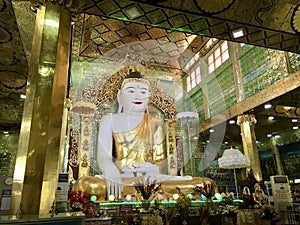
{"x": 138, "y": 103}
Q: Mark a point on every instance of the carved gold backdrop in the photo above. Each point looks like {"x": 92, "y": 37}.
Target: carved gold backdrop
{"x": 96, "y": 94}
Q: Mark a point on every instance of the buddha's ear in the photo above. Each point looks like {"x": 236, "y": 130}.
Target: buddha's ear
{"x": 120, "y": 108}
{"x": 119, "y": 97}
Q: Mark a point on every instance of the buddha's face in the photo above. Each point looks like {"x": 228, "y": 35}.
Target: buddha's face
{"x": 134, "y": 97}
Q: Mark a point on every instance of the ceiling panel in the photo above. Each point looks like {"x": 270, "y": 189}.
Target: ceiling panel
{"x": 270, "y": 24}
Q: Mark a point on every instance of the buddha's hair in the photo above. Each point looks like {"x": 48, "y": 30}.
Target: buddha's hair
{"x": 134, "y": 76}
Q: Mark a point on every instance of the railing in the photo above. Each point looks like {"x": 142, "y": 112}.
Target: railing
{"x": 290, "y": 217}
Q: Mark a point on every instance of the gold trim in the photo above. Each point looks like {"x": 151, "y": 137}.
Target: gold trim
{"x": 246, "y": 118}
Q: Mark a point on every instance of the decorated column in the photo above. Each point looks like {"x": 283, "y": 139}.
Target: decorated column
{"x": 171, "y": 147}
{"x": 38, "y": 157}
{"x": 85, "y": 145}
{"x": 247, "y": 122}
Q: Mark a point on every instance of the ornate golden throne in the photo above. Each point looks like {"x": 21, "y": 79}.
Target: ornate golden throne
{"x": 107, "y": 92}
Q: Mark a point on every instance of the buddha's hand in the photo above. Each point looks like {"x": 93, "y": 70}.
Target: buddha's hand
{"x": 113, "y": 182}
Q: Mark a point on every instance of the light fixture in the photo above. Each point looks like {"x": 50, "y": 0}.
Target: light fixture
{"x": 231, "y": 122}
{"x": 49, "y": 22}
{"x": 175, "y": 196}
{"x": 211, "y": 130}
{"x": 269, "y": 135}
{"x": 277, "y": 136}
{"x": 44, "y": 70}
{"x": 111, "y": 198}
{"x": 160, "y": 197}
{"x": 5, "y": 132}
{"x": 22, "y": 96}
{"x": 133, "y": 12}
{"x": 271, "y": 118}
{"x": 218, "y": 196}
{"x": 93, "y": 198}
{"x": 295, "y": 128}
{"x": 294, "y": 120}
{"x": 238, "y": 33}
{"x": 128, "y": 198}
{"x": 267, "y": 106}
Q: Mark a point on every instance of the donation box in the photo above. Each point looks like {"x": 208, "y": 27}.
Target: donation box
{"x": 281, "y": 192}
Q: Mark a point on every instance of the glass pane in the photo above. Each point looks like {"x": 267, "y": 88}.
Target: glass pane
{"x": 211, "y": 68}
{"x": 198, "y": 78}
{"x": 218, "y": 62}
{"x": 188, "y": 80}
{"x": 193, "y": 75}
{"x": 225, "y": 56}
{"x": 224, "y": 46}
{"x": 197, "y": 70}
{"x": 210, "y": 59}
{"x": 217, "y": 52}
{"x": 188, "y": 87}
{"x": 193, "y": 83}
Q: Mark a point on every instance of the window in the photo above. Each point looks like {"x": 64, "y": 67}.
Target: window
{"x": 191, "y": 62}
{"x": 218, "y": 57}
{"x": 193, "y": 79}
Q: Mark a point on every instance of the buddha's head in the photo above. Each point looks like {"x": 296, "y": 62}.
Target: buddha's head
{"x": 134, "y": 93}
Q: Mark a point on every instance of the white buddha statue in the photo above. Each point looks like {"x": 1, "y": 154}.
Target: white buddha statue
{"x": 130, "y": 144}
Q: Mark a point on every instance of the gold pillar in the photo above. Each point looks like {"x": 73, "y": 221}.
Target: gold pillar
{"x": 37, "y": 163}
{"x": 247, "y": 122}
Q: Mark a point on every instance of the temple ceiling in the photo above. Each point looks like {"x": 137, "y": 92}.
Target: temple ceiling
{"x": 180, "y": 27}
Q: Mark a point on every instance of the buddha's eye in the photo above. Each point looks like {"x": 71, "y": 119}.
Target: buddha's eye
{"x": 130, "y": 90}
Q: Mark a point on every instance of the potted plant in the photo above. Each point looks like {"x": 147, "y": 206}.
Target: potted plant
{"x": 78, "y": 199}
{"x": 147, "y": 188}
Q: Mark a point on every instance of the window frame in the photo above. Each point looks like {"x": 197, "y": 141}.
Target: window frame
{"x": 219, "y": 56}
{"x": 193, "y": 79}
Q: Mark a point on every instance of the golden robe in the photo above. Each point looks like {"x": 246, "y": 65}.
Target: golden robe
{"x": 142, "y": 144}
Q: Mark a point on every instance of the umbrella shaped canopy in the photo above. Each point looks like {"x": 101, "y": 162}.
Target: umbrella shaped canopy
{"x": 233, "y": 158}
